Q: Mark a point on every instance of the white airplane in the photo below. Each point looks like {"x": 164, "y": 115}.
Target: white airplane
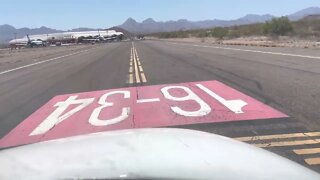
{"x": 103, "y": 35}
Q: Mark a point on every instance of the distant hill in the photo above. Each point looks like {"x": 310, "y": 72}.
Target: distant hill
{"x": 82, "y": 29}
{"x": 7, "y": 32}
{"x": 151, "y": 26}
{"x": 303, "y": 13}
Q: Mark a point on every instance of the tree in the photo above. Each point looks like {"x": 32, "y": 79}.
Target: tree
{"x": 219, "y": 32}
{"x": 278, "y": 26}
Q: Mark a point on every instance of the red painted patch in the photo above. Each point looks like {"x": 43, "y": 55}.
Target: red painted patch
{"x": 137, "y": 107}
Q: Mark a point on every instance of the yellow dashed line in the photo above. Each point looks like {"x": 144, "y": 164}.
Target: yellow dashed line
{"x": 288, "y": 143}
{"x": 135, "y": 69}
{"x": 143, "y": 77}
{"x": 278, "y": 136}
{"x": 307, "y": 151}
{"x": 312, "y": 161}
{"x": 277, "y": 140}
{"x": 130, "y": 79}
{"x": 140, "y": 68}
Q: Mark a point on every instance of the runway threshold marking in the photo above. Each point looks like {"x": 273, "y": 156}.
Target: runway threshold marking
{"x": 41, "y": 62}
{"x": 288, "y": 140}
{"x": 248, "y": 50}
{"x": 135, "y": 68}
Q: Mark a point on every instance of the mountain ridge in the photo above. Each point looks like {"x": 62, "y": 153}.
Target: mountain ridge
{"x": 149, "y": 25}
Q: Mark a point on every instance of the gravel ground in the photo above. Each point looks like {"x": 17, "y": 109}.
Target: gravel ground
{"x": 254, "y": 41}
{"x": 12, "y": 58}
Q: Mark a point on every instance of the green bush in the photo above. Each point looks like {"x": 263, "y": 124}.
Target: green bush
{"x": 202, "y": 34}
{"x": 219, "y": 32}
{"x": 278, "y": 26}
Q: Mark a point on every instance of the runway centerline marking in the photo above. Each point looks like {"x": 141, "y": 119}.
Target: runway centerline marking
{"x": 136, "y": 68}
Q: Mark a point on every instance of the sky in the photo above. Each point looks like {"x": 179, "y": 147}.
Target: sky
{"x": 68, "y": 14}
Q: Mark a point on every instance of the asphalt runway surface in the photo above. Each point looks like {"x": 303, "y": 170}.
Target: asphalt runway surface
{"x": 286, "y": 79}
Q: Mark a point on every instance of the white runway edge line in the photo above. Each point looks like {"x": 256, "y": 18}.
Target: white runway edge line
{"x": 48, "y": 60}
{"x": 248, "y": 50}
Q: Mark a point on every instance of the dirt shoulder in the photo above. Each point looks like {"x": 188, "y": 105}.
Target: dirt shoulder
{"x": 260, "y": 41}
{"x": 11, "y": 58}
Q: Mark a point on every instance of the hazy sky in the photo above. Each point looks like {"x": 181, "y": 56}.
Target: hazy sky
{"x": 67, "y": 14}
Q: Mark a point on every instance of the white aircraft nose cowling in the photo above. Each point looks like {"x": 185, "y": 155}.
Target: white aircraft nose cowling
{"x": 148, "y": 153}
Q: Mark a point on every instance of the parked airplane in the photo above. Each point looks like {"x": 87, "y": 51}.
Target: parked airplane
{"x": 66, "y": 37}
{"x": 35, "y": 43}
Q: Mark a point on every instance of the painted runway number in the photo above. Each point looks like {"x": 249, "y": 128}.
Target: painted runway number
{"x": 137, "y": 107}
{"x": 57, "y": 116}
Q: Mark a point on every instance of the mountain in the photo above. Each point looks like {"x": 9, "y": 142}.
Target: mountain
{"x": 8, "y": 32}
{"x": 151, "y": 26}
{"x": 131, "y": 25}
{"x": 82, "y": 29}
{"x": 303, "y": 13}
{"x": 253, "y": 18}
{"x": 5, "y": 31}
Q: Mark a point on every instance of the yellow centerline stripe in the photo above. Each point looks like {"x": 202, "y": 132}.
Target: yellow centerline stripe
{"x": 278, "y": 136}
{"x": 288, "y": 143}
{"x": 136, "y": 53}
{"x": 136, "y": 68}
{"x": 140, "y": 68}
{"x": 130, "y": 76}
{"x": 307, "y": 151}
{"x": 143, "y": 77}
{"x": 130, "y": 79}
{"x": 312, "y": 161}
